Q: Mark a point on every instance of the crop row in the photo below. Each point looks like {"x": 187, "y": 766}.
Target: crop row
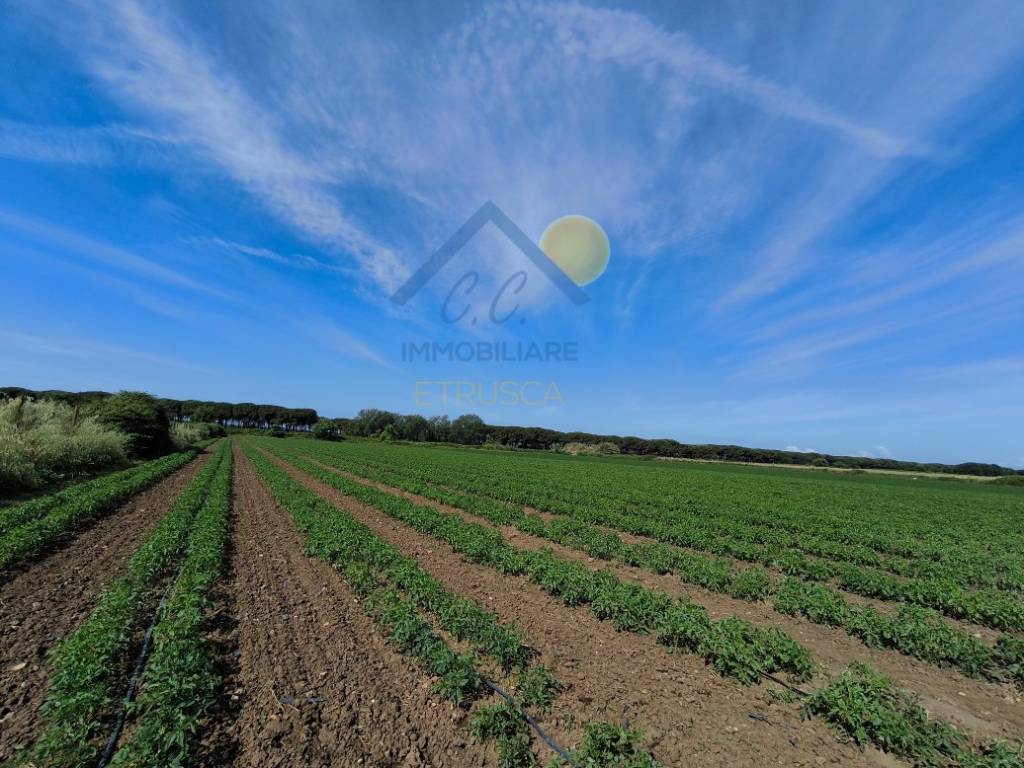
{"x": 553, "y": 494}
{"x": 394, "y": 592}
{"x": 913, "y": 630}
{"x": 980, "y": 561}
{"x": 793, "y": 538}
{"x": 88, "y": 668}
{"x": 733, "y": 647}
{"x": 815, "y": 523}
{"x": 991, "y": 608}
{"x": 28, "y": 527}
{"x": 337, "y": 538}
{"x": 180, "y": 682}
{"x": 872, "y": 710}
{"x": 395, "y": 589}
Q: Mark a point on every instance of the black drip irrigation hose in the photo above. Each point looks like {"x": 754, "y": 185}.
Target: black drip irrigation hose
{"x": 784, "y": 684}
{"x": 532, "y": 723}
{"x": 133, "y": 681}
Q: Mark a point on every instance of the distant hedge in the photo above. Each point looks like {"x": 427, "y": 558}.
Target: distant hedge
{"x": 245, "y": 415}
{"x": 470, "y": 429}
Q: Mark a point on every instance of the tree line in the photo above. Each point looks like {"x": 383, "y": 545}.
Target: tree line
{"x": 242, "y": 415}
{"x": 470, "y": 429}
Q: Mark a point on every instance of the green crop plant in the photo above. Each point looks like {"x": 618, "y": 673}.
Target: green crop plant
{"x": 870, "y": 709}
{"x": 88, "y": 667}
{"x": 27, "y": 528}
{"x": 802, "y": 539}
{"x": 502, "y": 723}
{"x": 914, "y": 633}
{"x": 180, "y": 683}
{"x": 750, "y": 584}
{"x": 536, "y": 687}
{"x": 743, "y": 655}
{"x": 731, "y": 646}
{"x": 606, "y": 745}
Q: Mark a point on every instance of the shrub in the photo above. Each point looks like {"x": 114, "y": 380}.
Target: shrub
{"x": 589, "y": 449}
{"x": 186, "y": 433}
{"x": 327, "y": 430}
{"x": 142, "y": 418}
{"x": 819, "y": 603}
{"x": 45, "y": 441}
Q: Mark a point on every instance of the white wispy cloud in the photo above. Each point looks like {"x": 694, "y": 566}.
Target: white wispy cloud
{"x": 952, "y": 61}
{"x": 483, "y": 112}
{"x": 742, "y": 143}
{"x": 75, "y": 243}
{"x": 452, "y": 127}
{"x": 631, "y": 39}
{"x": 988, "y": 249}
{"x": 332, "y": 336}
{"x": 154, "y": 68}
{"x": 87, "y": 349}
{"x": 299, "y": 260}
{"x": 142, "y": 296}
{"x": 99, "y": 145}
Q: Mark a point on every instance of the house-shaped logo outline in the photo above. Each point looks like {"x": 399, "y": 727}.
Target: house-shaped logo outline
{"x": 489, "y": 212}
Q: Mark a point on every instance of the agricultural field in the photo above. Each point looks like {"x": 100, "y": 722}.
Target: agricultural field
{"x": 289, "y": 602}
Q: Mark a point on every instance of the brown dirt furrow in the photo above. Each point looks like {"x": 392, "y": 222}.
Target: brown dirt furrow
{"x": 687, "y": 713}
{"x": 986, "y": 709}
{"x": 316, "y": 682}
{"x": 47, "y": 599}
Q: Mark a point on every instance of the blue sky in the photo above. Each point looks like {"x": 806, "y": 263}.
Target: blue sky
{"x": 814, "y": 209}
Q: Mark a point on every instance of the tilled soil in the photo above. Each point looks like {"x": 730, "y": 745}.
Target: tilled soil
{"x": 687, "y": 713}
{"x": 316, "y": 682}
{"x": 47, "y": 599}
{"x": 988, "y": 710}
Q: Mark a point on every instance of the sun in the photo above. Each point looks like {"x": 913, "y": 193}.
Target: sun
{"x": 578, "y": 246}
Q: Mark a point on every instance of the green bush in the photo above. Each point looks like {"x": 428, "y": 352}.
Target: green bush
{"x": 186, "y": 433}
{"x": 327, "y": 430}
{"x": 142, "y": 418}
{"x": 870, "y": 709}
{"x": 45, "y": 441}
{"x": 589, "y": 449}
